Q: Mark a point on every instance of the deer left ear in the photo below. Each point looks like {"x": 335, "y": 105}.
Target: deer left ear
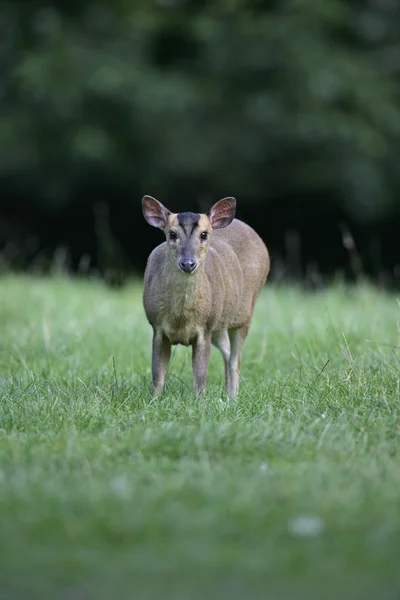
{"x": 155, "y": 213}
{"x": 222, "y": 213}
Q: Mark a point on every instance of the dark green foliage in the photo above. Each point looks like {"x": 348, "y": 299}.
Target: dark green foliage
{"x": 265, "y": 99}
{"x": 291, "y": 106}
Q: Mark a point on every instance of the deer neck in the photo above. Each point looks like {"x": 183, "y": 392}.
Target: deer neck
{"x": 186, "y": 290}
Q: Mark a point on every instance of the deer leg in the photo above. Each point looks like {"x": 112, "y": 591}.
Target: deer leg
{"x": 237, "y": 338}
{"x": 220, "y": 339}
{"x": 200, "y": 361}
{"x": 160, "y": 360}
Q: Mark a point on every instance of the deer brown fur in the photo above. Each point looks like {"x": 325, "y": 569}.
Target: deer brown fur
{"x": 201, "y": 286}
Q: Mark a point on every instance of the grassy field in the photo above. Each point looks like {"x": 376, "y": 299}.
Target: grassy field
{"x": 291, "y": 491}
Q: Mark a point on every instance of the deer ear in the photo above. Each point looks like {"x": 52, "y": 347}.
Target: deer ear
{"x": 222, "y": 213}
{"x": 154, "y": 212}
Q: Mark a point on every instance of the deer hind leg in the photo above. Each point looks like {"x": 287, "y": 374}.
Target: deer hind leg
{"x": 160, "y": 361}
{"x": 220, "y": 340}
{"x": 237, "y": 338}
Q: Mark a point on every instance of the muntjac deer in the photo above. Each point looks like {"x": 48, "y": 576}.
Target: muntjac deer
{"x": 201, "y": 286}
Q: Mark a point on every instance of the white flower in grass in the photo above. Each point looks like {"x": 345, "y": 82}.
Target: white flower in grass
{"x": 121, "y": 486}
{"x": 306, "y": 526}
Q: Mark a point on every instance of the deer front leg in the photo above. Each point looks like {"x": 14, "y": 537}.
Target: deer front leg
{"x": 200, "y": 361}
{"x": 160, "y": 360}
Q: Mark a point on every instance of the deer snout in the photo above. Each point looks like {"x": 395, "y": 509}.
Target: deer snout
{"x": 187, "y": 265}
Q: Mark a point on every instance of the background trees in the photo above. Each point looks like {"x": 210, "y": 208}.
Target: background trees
{"x": 291, "y": 105}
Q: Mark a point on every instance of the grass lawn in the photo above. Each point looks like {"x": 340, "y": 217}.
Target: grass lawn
{"x": 291, "y": 491}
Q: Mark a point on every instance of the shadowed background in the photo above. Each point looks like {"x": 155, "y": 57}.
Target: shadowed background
{"x": 292, "y": 106}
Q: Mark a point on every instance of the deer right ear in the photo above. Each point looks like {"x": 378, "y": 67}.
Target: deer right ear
{"x": 222, "y": 213}
{"x": 154, "y": 212}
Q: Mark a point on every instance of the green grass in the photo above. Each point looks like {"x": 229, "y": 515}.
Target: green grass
{"x": 291, "y": 491}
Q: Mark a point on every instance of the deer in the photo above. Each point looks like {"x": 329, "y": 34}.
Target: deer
{"x": 200, "y": 288}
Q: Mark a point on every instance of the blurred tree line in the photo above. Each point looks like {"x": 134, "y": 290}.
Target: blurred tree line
{"x": 290, "y": 105}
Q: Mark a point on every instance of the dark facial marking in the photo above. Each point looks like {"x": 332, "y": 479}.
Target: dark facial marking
{"x": 188, "y": 219}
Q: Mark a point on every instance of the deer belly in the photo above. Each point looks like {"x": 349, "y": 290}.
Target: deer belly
{"x": 180, "y": 332}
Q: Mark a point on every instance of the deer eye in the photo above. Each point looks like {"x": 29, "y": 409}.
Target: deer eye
{"x": 203, "y": 235}
{"x": 172, "y": 235}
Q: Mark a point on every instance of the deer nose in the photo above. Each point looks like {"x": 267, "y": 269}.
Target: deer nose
{"x": 187, "y": 265}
